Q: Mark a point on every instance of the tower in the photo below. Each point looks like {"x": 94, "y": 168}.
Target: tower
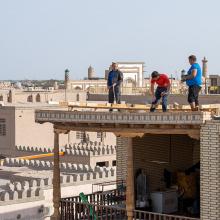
{"x": 205, "y": 73}
{"x": 67, "y": 79}
{"x": 66, "y": 82}
{"x": 91, "y": 72}
{"x": 55, "y": 85}
{"x": 11, "y": 96}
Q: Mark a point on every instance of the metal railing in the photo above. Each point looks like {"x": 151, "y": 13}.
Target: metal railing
{"x": 111, "y": 197}
{"x": 71, "y": 210}
{"x": 142, "y": 215}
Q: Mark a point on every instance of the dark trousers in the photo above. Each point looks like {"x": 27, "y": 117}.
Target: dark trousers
{"x": 193, "y": 94}
{"x": 158, "y": 92}
{"x": 114, "y": 95}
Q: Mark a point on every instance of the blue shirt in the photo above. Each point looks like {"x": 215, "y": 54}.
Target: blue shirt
{"x": 198, "y": 79}
{"x": 112, "y": 77}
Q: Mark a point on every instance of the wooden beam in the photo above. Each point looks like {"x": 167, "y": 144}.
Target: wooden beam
{"x": 193, "y": 131}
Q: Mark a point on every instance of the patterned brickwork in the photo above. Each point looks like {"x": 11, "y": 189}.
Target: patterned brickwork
{"x": 121, "y": 157}
{"x": 179, "y": 118}
{"x": 210, "y": 171}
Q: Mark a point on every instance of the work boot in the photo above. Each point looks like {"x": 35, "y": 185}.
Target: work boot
{"x": 195, "y": 109}
{"x": 152, "y": 109}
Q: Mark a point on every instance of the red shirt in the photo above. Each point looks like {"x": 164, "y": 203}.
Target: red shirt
{"x": 162, "y": 81}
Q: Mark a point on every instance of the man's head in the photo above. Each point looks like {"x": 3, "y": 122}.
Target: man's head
{"x": 155, "y": 75}
{"x": 114, "y": 66}
{"x": 192, "y": 59}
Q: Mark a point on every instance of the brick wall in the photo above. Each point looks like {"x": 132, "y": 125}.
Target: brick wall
{"x": 174, "y": 152}
{"x": 210, "y": 171}
{"x": 121, "y": 157}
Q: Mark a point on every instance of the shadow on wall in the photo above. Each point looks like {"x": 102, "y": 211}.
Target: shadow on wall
{"x": 40, "y": 212}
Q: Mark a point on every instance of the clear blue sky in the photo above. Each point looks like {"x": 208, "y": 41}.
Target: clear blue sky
{"x": 40, "y": 38}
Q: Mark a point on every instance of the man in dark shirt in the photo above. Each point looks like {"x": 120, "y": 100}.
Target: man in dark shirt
{"x": 115, "y": 78}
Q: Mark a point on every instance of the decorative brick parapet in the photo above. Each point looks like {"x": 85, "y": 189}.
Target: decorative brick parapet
{"x": 55, "y": 116}
{"x": 30, "y": 190}
{"x": 73, "y": 149}
{"x": 18, "y": 194}
{"x": 210, "y": 170}
{"x": 33, "y": 149}
{"x": 91, "y": 151}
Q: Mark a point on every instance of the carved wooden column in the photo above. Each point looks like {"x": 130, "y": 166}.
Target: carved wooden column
{"x": 56, "y": 178}
{"x": 130, "y": 181}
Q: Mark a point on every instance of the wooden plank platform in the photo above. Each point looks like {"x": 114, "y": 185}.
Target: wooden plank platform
{"x": 135, "y": 107}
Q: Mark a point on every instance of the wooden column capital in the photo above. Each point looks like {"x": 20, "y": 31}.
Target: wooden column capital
{"x": 128, "y": 134}
{"x": 61, "y": 131}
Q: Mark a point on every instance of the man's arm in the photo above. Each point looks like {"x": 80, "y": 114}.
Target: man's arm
{"x": 120, "y": 78}
{"x": 168, "y": 88}
{"x": 108, "y": 81}
{"x": 190, "y": 76}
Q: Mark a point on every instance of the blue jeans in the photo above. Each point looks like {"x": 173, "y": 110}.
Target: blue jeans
{"x": 158, "y": 92}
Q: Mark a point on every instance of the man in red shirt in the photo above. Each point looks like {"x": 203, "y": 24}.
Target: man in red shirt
{"x": 162, "y": 91}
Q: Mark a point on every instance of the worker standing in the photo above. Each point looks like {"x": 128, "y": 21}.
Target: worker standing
{"x": 162, "y": 90}
{"x": 115, "y": 78}
{"x": 194, "y": 82}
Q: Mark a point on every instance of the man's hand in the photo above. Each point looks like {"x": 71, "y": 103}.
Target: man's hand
{"x": 163, "y": 94}
{"x": 183, "y": 78}
{"x": 153, "y": 98}
{"x": 114, "y": 84}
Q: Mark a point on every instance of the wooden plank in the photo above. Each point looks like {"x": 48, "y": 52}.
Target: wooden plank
{"x": 134, "y": 107}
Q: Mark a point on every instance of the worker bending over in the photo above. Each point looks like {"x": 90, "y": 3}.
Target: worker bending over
{"x": 162, "y": 91}
{"x": 194, "y": 82}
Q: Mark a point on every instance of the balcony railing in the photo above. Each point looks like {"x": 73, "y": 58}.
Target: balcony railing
{"x": 107, "y": 205}
{"x": 71, "y": 210}
{"x": 107, "y": 198}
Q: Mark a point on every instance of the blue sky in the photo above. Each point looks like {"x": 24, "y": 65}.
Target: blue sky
{"x": 40, "y": 38}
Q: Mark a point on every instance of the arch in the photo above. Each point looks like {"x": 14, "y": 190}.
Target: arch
{"x": 38, "y": 98}
{"x": 130, "y": 81}
{"x": 1, "y": 98}
{"x": 90, "y": 89}
{"x": 30, "y": 98}
{"x": 78, "y": 88}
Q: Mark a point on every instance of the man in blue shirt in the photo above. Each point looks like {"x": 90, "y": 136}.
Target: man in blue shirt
{"x": 194, "y": 82}
{"x": 115, "y": 78}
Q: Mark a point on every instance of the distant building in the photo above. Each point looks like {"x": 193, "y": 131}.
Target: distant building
{"x": 214, "y": 84}
{"x": 133, "y": 73}
{"x": 39, "y": 95}
{"x": 18, "y": 127}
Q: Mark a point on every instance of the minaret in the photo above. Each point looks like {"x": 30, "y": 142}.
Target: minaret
{"x": 205, "y": 74}
{"x": 67, "y": 78}
{"x": 66, "y": 82}
{"x": 11, "y": 96}
{"x": 91, "y": 72}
